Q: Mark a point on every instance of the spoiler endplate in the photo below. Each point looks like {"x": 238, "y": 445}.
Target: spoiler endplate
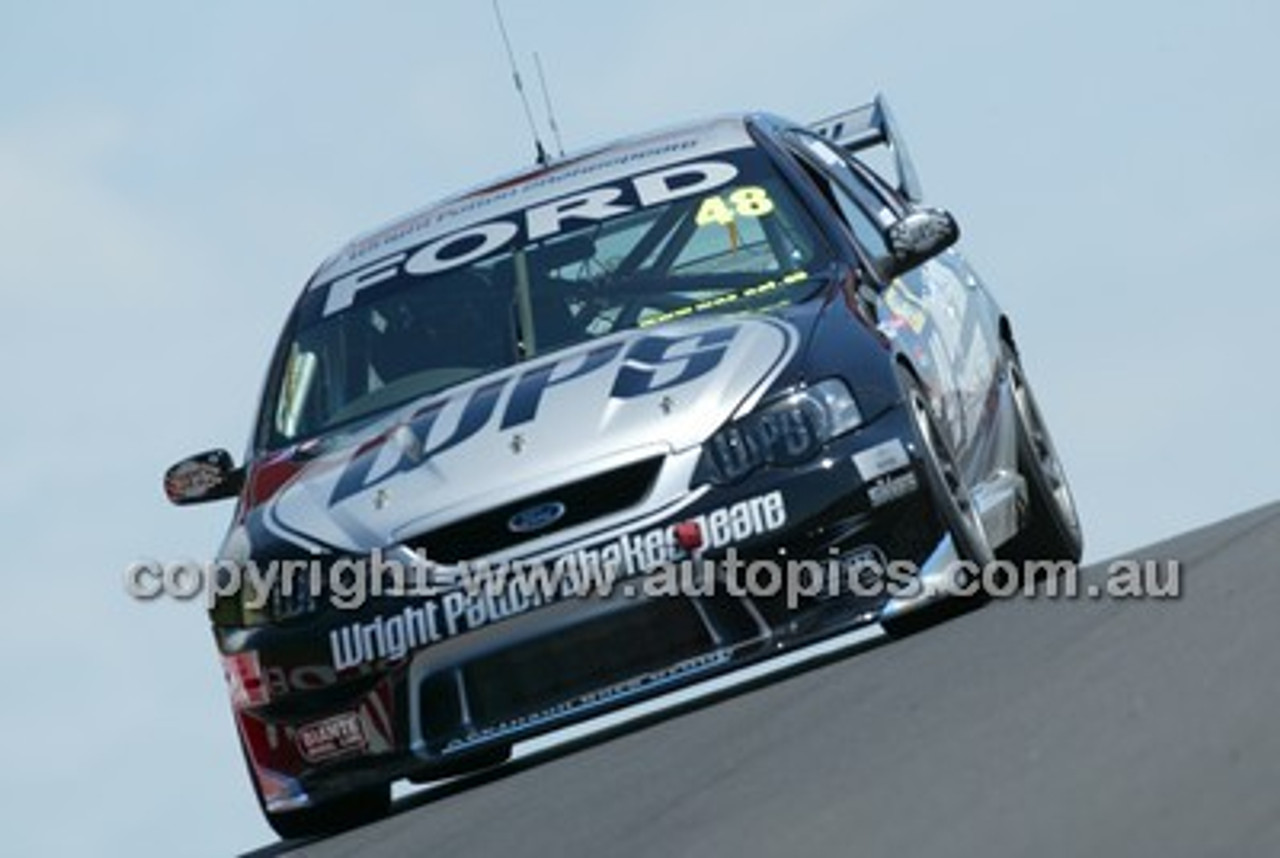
{"x": 871, "y": 125}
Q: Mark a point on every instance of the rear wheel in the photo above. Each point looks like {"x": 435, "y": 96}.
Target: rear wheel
{"x": 1053, "y": 530}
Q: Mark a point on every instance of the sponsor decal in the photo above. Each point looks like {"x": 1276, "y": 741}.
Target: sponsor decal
{"x": 390, "y": 637}
{"x": 472, "y": 243}
{"x": 573, "y": 573}
{"x": 688, "y": 534}
{"x": 649, "y": 364}
{"x": 891, "y": 489}
{"x": 251, "y": 684}
{"x": 635, "y": 554}
{"x": 905, "y": 306}
{"x": 496, "y": 195}
{"x": 282, "y": 680}
{"x": 194, "y": 478}
{"x": 891, "y": 327}
{"x": 246, "y": 682}
{"x": 869, "y": 562}
{"x": 866, "y": 555}
{"x": 881, "y": 459}
{"x": 763, "y": 288}
{"x": 942, "y": 283}
{"x": 338, "y": 736}
{"x": 375, "y": 717}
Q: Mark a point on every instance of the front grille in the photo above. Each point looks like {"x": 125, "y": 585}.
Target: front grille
{"x": 561, "y": 670}
{"x": 584, "y": 500}
{"x": 576, "y": 661}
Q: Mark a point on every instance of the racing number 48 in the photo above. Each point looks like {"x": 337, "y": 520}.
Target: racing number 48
{"x": 750, "y": 201}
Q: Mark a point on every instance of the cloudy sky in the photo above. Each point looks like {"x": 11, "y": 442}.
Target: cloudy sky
{"x": 169, "y": 176}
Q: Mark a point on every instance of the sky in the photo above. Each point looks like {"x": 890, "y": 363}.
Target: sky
{"x": 170, "y": 176}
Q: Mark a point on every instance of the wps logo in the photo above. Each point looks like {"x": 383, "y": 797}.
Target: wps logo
{"x": 649, "y": 364}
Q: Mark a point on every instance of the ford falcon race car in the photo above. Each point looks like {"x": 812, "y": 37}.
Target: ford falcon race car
{"x": 522, "y": 455}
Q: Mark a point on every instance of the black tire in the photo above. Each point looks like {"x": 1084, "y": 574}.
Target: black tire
{"x": 327, "y": 817}
{"x": 1052, "y": 531}
{"x": 471, "y": 763}
{"x": 951, "y": 499}
{"x": 950, "y": 494}
{"x": 332, "y": 816}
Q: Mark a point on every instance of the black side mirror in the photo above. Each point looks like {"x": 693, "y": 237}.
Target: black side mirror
{"x": 208, "y": 476}
{"x": 920, "y": 236}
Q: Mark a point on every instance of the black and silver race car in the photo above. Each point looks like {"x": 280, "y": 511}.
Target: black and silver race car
{"x": 620, "y": 416}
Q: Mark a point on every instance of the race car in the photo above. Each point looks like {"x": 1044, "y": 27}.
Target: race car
{"x": 612, "y": 426}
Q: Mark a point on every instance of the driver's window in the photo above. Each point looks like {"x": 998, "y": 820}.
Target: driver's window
{"x": 866, "y": 230}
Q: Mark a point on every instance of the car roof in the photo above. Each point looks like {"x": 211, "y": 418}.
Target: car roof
{"x": 562, "y": 176}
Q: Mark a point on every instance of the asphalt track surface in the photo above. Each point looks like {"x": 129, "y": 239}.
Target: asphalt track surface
{"x": 1026, "y": 728}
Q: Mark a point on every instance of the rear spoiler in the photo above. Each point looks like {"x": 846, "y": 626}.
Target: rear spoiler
{"x": 873, "y": 125}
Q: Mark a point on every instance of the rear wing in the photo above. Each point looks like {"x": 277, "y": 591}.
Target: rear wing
{"x": 868, "y": 126}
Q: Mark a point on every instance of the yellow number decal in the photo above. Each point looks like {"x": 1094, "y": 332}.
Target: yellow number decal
{"x": 751, "y": 202}
{"x": 713, "y": 210}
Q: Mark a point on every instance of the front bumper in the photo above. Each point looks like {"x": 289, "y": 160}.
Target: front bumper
{"x": 317, "y": 722}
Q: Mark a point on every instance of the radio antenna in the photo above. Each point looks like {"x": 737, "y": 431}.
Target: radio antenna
{"x": 540, "y": 154}
{"x": 546, "y": 98}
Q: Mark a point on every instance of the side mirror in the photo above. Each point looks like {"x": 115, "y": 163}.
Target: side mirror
{"x": 207, "y": 476}
{"x": 920, "y": 236}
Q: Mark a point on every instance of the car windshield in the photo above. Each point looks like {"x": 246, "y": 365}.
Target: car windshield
{"x": 733, "y": 241}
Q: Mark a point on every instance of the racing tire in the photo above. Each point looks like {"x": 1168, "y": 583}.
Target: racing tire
{"x": 952, "y": 501}
{"x": 476, "y": 761}
{"x": 1052, "y": 530}
{"x": 325, "y": 817}
{"x": 331, "y": 816}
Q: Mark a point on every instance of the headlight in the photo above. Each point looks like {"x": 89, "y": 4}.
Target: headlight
{"x": 787, "y": 431}
{"x": 262, "y": 590}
